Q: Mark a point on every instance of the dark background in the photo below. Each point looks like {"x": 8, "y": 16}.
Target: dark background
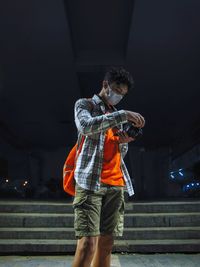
{"x": 53, "y": 52}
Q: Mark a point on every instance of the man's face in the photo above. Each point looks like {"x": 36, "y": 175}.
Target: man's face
{"x": 113, "y": 93}
{"x": 121, "y": 89}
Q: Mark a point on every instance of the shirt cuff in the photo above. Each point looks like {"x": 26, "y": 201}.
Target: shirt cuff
{"x": 122, "y": 117}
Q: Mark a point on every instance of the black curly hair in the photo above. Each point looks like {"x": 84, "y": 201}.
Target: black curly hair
{"x": 119, "y": 75}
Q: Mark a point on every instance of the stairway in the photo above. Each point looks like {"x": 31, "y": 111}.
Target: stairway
{"x": 43, "y": 227}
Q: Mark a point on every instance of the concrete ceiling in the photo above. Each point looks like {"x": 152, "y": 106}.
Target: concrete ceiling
{"x": 54, "y": 52}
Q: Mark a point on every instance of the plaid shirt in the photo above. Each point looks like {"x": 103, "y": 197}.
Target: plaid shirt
{"x": 92, "y": 121}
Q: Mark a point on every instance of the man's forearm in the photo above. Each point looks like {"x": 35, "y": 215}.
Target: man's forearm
{"x": 88, "y": 125}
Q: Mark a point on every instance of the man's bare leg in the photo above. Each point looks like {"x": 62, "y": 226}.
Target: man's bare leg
{"x": 85, "y": 251}
{"x": 102, "y": 256}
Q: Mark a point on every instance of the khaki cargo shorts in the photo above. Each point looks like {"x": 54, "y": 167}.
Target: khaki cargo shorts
{"x": 99, "y": 212}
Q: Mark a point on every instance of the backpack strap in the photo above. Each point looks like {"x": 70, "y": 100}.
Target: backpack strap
{"x": 81, "y": 138}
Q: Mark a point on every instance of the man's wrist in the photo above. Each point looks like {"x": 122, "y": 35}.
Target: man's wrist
{"x": 124, "y": 116}
{"x": 126, "y": 113}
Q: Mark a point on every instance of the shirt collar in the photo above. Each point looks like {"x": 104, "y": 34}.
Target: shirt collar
{"x": 97, "y": 99}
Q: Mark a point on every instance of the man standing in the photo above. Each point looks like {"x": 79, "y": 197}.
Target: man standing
{"x": 100, "y": 172}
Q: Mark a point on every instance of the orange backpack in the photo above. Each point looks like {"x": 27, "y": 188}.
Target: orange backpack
{"x": 69, "y": 168}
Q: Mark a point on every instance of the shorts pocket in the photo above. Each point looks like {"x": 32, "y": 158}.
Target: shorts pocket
{"x": 79, "y": 201}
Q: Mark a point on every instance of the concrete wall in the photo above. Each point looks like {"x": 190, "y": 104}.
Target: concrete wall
{"x": 36, "y": 166}
{"x": 149, "y": 169}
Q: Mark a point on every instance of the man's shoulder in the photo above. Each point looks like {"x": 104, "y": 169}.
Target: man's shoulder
{"x": 87, "y": 102}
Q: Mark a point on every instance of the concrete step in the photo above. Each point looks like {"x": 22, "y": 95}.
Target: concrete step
{"x": 35, "y": 207}
{"x": 131, "y": 219}
{"x": 153, "y": 233}
{"x": 158, "y": 246}
{"x": 64, "y": 207}
{"x": 47, "y": 227}
{"x": 129, "y": 233}
{"x": 31, "y": 246}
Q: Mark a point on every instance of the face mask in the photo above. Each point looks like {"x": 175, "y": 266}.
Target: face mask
{"x": 113, "y": 98}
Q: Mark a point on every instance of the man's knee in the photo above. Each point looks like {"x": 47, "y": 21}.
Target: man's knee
{"x": 87, "y": 244}
{"x": 105, "y": 242}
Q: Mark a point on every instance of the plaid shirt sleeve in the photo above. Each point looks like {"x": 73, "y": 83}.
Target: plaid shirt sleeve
{"x": 88, "y": 125}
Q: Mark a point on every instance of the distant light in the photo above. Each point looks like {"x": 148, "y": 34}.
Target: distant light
{"x": 192, "y": 184}
{"x": 188, "y": 186}
{"x": 180, "y": 170}
{"x": 7, "y": 180}
{"x": 197, "y": 183}
{"x": 172, "y": 176}
{"x": 180, "y": 173}
{"x": 26, "y": 182}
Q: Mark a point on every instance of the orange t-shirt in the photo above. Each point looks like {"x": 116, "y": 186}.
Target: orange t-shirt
{"x": 111, "y": 170}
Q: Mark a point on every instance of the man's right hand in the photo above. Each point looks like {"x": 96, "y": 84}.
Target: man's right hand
{"x": 135, "y": 118}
